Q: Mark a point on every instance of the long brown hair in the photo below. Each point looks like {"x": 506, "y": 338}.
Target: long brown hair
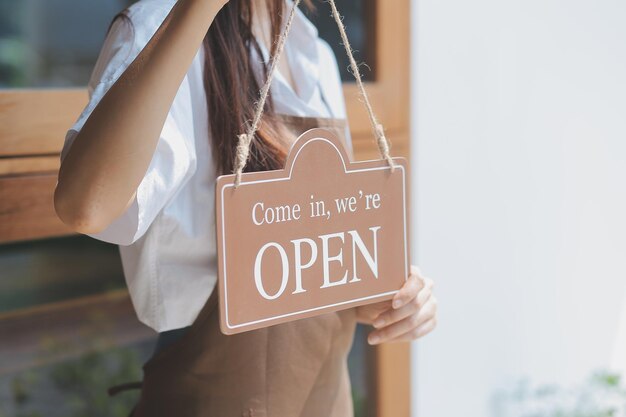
{"x": 232, "y": 87}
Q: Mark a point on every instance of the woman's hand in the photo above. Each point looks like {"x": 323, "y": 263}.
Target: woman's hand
{"x": 411, "y": 314}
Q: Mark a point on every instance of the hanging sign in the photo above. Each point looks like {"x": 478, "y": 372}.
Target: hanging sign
{"x": 323, "y": 234}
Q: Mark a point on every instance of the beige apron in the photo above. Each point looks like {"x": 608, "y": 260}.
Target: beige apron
{"x": 287, "y": 370}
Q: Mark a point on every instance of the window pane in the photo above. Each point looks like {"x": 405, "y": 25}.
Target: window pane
{"x": 55, "y": 43}
{"x": 359, "y": 19}
{"x": 52, "y": 270}
{"x": 52, "y": 43}
{"x": 62, "y": 384}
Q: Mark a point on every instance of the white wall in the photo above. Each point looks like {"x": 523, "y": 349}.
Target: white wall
{"x": 520, "y": 154}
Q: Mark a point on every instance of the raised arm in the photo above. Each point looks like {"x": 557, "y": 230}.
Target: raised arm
{"x": 100, "y": 174}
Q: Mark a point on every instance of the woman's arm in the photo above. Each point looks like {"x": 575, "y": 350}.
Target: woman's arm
{"x": 111, "y": 154}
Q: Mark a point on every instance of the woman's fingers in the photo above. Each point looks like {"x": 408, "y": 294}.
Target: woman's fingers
{"x": 413, "y": 313}
{"x": 421, "y": 331}
{"x": 412, "y": 307}
{"x": 409, "y": 290}
{"x": 410, "y": 324}
{"x": 426, "y": 291}
{"x": 368, "y": 313}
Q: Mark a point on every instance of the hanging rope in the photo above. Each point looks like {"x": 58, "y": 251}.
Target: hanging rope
{"x": 245, "y": 139}
{"x": 379, "y": 132}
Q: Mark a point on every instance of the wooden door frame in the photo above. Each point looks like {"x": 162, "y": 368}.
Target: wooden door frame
{"x": 390, "y": 96}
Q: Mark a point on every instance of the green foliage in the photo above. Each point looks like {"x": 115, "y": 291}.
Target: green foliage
{"x": 601, "y": 395}
{"x": 360, "y": 403}
{"x": 75, "y": 383}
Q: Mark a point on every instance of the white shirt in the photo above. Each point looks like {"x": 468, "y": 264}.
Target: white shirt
{"x": 167, "y": 235}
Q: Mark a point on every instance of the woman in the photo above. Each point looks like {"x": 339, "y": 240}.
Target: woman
{"x": 175, "y": 83}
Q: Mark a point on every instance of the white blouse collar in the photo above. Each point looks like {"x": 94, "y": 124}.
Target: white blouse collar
{"x": 301, "y": 51}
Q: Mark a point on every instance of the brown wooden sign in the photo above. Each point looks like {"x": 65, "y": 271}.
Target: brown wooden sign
{"x": 323, "y": 234}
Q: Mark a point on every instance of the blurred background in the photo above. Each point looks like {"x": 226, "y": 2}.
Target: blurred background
{"x": 513, "y": 115}
{"x": 519, "y": 139}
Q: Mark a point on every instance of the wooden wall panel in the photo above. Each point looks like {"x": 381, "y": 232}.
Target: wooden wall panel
{"x": 34, "y": 122}
{"x": 27, "y": 208}
{"x": 29, "y": 165}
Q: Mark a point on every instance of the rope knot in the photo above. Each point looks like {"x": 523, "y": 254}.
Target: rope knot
{"x": 243, "y": 151}
{"x": 383, "y": 145}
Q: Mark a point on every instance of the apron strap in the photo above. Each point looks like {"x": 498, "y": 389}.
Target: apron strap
{"x": 116, "y": 389}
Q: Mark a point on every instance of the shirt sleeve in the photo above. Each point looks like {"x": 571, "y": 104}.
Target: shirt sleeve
{"x": 174, "y": 159}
